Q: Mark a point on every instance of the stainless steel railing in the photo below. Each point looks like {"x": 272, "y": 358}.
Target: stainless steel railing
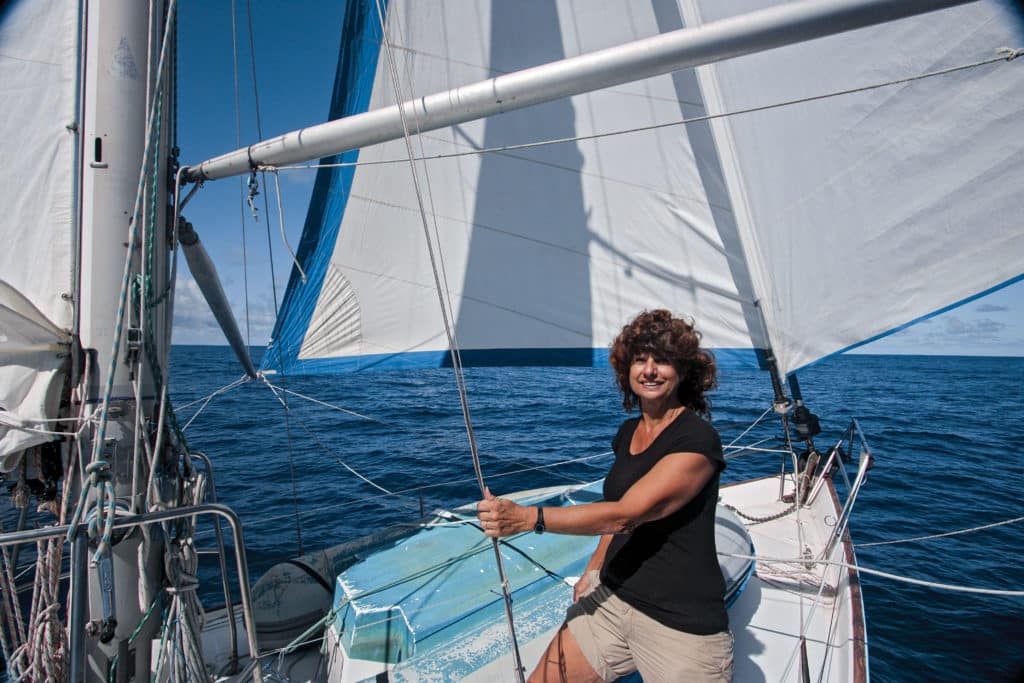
{"x": 79, "y": 559}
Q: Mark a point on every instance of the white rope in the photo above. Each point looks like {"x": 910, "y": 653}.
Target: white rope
{"x": 12, "y": 422}
{"x": 17, "y": 426}
{"x": 948, "y": 533}
{"x": 280, "y": 222}
{"x": 180, "y": 645}
{"x": 41, "y": 651}
{"x": 805, "y": 623}
{"x": 1005, "y": 54}
{"x": 876, "y": 572}
{"x": 12, "y": 629}
{"x": 1010, "y": 53}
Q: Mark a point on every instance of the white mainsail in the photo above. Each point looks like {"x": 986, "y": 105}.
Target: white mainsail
{"x": 37, "y": 143}
{"x": 783, "y": 222}
{"x": 546, "y": 251}
{"x": 869, "y": 211}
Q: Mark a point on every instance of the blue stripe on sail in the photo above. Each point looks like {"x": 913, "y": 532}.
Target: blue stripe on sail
{"x": 915, "y": 321}
{"x": 353, "y": 85}
{"x": 731, "y": 357}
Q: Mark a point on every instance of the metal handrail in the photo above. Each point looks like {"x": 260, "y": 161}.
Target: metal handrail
{"x": 28, "y": 535}
{"x": 232, "y": 634}
{"x": 864, "y": 463}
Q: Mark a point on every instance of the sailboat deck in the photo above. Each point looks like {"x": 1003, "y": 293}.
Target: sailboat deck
{"x": 784, "y": 600}
{"x": 781, "y": 601}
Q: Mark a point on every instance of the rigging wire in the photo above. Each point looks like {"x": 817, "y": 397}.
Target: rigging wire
{"x": 944, "y": 535}
{"x": 732, "y": 444}
{"x": 434, "y": 258}
{"x": 1005, "y": 55}
{"x": 414, "y": 489}
{"x": 273, "y": 272}
{"x": 259, "y": 135}
{"x": 279, "y": 397}
{"x": 206, "y": 401}
{"x": 412, "y": 431}
{"x": 430, "y": 196}
{"x": 876, "y": 572}
{"x": 449, "y": 332}
{"x": 742, "y": 451}
{"x": 550, "y": 467}
{"x": 241, "y": 180}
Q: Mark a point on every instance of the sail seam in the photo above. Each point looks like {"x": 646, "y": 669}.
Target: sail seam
{"x": 675, "y": 277}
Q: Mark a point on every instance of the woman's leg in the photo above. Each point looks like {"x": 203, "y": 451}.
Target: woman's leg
{"x": 563, "y": 662}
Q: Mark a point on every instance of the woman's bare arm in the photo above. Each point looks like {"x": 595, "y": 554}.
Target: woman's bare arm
{"x": 673, "y": 482}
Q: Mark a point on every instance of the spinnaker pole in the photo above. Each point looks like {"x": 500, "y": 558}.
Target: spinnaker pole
{"x": 733, "y": 37}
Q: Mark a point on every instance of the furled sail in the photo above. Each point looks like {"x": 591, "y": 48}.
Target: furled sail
{"x": 783, "y": 223}
{"x": 37, "y": 144}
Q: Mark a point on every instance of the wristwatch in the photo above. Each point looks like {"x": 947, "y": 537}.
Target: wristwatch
{"x": 539, "y": 527}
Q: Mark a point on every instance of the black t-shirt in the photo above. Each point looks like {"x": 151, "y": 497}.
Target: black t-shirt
{"x": 668, "y": 569}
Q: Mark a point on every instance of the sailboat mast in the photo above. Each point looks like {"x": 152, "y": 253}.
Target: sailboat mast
{"x": 123, "y": 337}
{"x": 672, "y": 51}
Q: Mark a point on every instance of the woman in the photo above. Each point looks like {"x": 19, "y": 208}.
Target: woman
{"x": 659, "y": 606}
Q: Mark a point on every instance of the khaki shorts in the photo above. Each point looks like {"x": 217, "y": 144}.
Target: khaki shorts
{"x": 617, "y": 640}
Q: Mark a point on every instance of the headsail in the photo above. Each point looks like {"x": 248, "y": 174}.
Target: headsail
{"x": 868, "y": 211}
{"x": 545, "y": 251}
{"x": 800, "y": 213}
{"x": 37, "y": 144}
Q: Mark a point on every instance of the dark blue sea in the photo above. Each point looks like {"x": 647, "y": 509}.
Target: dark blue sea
{"x": 946, "y": 433}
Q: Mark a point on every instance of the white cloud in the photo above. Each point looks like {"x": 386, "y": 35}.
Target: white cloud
{"x": 982, "y": 329}
{"x": 194, "y": 323}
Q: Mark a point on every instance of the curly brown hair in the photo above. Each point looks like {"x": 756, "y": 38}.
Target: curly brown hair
{"x": 670, "y": 339}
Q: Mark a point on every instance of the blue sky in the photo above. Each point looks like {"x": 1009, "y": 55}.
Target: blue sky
{"x": 296, "y": 49}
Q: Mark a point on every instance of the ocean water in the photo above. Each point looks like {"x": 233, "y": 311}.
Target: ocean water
{"x": 946, "y": 433}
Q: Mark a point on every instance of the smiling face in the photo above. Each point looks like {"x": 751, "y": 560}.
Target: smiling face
{"x": 657, "y": 356}
{"x": 654, "y": 380}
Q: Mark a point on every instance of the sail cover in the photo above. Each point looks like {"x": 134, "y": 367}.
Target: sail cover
{"x": 813, "y": 227}
{"x": 37, "y": 86}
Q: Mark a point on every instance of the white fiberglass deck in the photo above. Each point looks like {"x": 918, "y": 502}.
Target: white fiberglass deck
{"x": 783, "y": 600}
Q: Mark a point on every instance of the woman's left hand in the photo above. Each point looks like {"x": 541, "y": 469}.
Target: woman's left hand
{"x": 500, "y": 517}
